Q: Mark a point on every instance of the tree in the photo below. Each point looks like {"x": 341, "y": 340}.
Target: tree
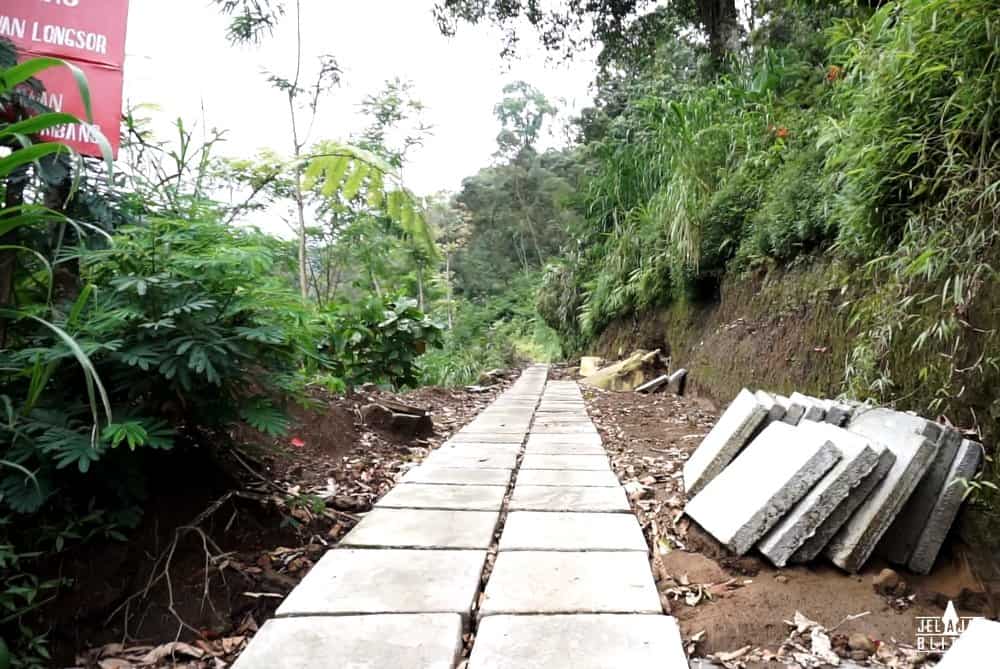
{"x": 522, "y": 114}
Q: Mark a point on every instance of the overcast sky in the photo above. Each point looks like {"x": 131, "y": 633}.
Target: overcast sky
{"x": 179, "y": 60}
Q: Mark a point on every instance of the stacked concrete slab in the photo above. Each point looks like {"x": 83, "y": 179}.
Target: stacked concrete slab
{"x": 571, "y": 584}
{"x": 894, "y": 481}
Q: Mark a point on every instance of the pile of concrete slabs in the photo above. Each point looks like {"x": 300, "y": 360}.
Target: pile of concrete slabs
{"x": 799, "y": 478}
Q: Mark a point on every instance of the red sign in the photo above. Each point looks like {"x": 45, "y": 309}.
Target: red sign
{"x": 91, "y": 35}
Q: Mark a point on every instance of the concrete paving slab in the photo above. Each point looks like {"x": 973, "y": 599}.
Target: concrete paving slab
{"x": 456, "y": 476}
{"x": 357, "y": 581}
{"x": 775, "y": 409}
{"x": 901, "y": 538}
{"x": 763, "y": 483}
{"x": 582, "y": 462}
{"x": 578, "y": 642}
{"x": 417, "y": 641}
{"x": 560, "y": 531}
{"x": 813, "y": 409}
{"x": 565, "y": 428}
{"x": 949, "y": 500}
{"x": 456, "y": 497}
{"x": 854, "y": 543}
{"x": 857, "y": 461}
{"x": 568, "y": 477}
{"x": 472, "y": 450}
{"x": 454, "y": 459}
{"x": 815, "y": 544}
{"x": 565, "y": 439}
{"x": 532, "y": 582}
{"x": 977, "y": 648}
{"x": 569, "y": 498}
{"x": 536, "y": 448}
{"x": 423, "y": 528}
{"x": 481, "y": 438}
{"x": 731, "y": 433}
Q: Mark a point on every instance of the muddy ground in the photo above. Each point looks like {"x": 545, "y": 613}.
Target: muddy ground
{"x": 731, "y": 602}
{"x": 229, "y": 531}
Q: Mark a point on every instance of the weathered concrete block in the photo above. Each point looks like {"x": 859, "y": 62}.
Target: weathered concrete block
{"x": 589, "y": 364}
{"x": 901, "y": 538}
{"x": 814, "y": 409}
{"x": 977, "y": 648}
{"x": 471, "y": 450}
{"x": 526, "y": 582}
{"x": 815, "y": 544}
{"x": 854, "y": 543}
{"x": 945, "y": 509}
{"x": 857, "y": 461}
{"x": 775, "y": 471}
{"x": 409, "y": 581}
{"x": 456, "y": 476}
{"x": 418, "y": 641}
{"x": 423, "y": 528}
{"x": 775, "y": 409}
{"x": 565, "y": 439}
{"x": 457, "y": 497}
{"x": 724, "y": 442}
{"x": 838, "y": 414}
{"x": 569, "y": 498}
{"x": 564, "y": 428}
{"x": 582, "y": 462}
{"x": 482, "y": 438}
{"x": 559, "y": 531}
{"x": 568, "y": 477}
{"x": 578, "y": 642}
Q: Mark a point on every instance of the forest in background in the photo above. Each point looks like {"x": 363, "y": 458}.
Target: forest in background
{"x": 141, "y": 313}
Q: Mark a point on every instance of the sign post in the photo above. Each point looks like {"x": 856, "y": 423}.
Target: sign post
{"x": 91, "y": 35}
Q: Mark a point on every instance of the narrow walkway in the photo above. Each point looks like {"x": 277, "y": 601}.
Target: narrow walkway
{"x": 529, "y": 481}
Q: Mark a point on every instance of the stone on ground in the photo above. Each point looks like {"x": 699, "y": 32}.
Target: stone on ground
{"x": 724, "y": 442}
{"x": 569, "y": 498}
{"x": 582, "y": 462}
{"x": 815, "y": 544}
{"x": 945, "y": 508}
{"x": 854, "y": 543}
{"x": 564, "y": 477}
{"x": 901, "y": 538}
{"x": 627, "y": 375}
{"x": 589, "y": 364}
{"x": 423, "y": 528}
{"x": 763, "y": 483}
{"x": 419, "y": 641}
{"x": 431, "y": 496}
{"x": 358, "y": 581}
{"x": 455, "y": 476}
{"x": 977, "y": 648}
{"x": 857, "y": 461}
{"x": 559, "y": 531}
{"x": 578, "y": 642}
{"x": 531, "y": 582}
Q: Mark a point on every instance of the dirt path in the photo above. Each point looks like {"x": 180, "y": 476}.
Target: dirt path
{"x": 738, "y": 602}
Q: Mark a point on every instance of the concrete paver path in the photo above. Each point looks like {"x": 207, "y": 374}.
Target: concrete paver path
{"x": 571, "y": 586}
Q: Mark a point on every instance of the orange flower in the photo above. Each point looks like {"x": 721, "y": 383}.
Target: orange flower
{"x": 834, "y": 72}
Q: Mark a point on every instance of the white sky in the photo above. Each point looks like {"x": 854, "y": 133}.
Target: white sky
{"x": 179, "y": 60}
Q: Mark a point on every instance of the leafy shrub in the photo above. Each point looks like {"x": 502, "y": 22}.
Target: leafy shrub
{"x": 378, "y": 340}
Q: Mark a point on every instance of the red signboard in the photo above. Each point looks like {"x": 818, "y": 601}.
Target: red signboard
{"x": 91, "y": 35}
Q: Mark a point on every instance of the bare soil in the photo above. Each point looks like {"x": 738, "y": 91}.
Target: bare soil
{"x": 228, "y": 531}
{"x": 744, "y": 601}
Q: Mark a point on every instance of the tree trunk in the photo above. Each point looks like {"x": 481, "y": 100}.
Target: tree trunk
{"x": 420, "y": 286}
{"x": 721, "y": 22}
{"x": 451, "y": 291}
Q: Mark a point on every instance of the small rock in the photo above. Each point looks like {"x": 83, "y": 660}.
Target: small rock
{"x": 860, "y": 643}
{"x": 859, "y": 655}
{"x": 886, "y": 582}
{"x": 781, "y": 578}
